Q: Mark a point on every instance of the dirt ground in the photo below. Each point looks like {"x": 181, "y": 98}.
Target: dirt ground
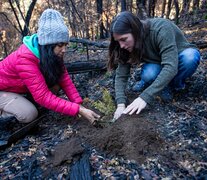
{"x": 167, "y": 140}
{"x": 134, "y": 138}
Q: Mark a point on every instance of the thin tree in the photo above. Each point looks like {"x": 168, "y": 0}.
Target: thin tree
{"x": 151, "y": 8}
{"x": 100, "y": 19}
{"x": 141, "y": 10}
{"x": 28, "y": 17}
{"x": 123, "y": 5}
{"x": 168, "y": 8}
{"x": 196, "y": 4}
{"x": 116, "y": 6}
{"x": 24, "y": 30}
{"x": 163, "y": 8}
{"x": 16, "y": 16}
{"x": 185, "y": 8}
{"x": 177, "y": 11}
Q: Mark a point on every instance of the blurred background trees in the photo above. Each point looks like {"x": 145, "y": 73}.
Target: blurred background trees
{"x": 86, "y": 18}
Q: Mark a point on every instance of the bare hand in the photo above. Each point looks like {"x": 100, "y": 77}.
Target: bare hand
{"x": 88, "y": 114}
{"x": 137, "y": 105}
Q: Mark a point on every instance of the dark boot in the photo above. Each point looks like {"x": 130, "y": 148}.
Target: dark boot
{"x": 5, "y": 122}
{"x": 5, "y": 126}
{"x": 166, "y": 95}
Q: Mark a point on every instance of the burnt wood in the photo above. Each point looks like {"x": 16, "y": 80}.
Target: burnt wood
{"x": 200, "y": 45}
{"x": 19, "y": 133}
{"x": 90, "y": 43}
{"x": 85, "y": 66}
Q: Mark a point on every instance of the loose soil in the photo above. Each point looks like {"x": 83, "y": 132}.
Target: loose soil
{"x": 132, "y": 137}
{"x": 169, "y": 140}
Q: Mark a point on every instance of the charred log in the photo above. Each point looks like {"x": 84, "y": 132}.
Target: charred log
{"x": 103, "y": 45}
{"x": 85, "y": 66}
{"x": 200, "y": 45}
{"x": 90, "y": 43}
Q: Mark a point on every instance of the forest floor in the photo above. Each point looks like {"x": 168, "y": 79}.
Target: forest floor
{"x": 167, "y": 140}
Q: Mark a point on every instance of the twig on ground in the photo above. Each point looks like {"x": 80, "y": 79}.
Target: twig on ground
{"x": 189, "y": 111}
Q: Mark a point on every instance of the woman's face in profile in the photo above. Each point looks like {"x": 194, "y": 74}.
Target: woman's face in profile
{"x": 126, "y": 41}
{"x": 60, "y": 49}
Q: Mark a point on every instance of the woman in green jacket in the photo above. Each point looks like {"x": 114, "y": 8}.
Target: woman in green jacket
{"x": 167, "y": 58}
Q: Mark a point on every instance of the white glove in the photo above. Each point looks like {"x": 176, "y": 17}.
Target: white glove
{"x": 119, "y": 110}
{"x": 137, "y": 105}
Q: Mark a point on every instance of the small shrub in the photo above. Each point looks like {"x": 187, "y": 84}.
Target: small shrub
{"x": 105, "y": 106}
{"x": 73, "y": 45}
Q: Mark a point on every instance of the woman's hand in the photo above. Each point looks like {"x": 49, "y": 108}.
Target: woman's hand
{"x": 137, "y": 105}
{"x": 119, "y": 110}
{"x": 88, "y": 114}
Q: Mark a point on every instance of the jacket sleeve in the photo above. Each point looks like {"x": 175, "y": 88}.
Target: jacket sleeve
{"x": 165, "y": 41}
{"x": 29, "y": 72}
{"x": 122, "y": 75}
{"x": 69, "y": 88}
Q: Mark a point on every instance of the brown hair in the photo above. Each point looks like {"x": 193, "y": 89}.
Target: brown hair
{"x": 126, "y": 22}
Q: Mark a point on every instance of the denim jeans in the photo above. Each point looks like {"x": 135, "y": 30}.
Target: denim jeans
{"x": 188, "y": 61}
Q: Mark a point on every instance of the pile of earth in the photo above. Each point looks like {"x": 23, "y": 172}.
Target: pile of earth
{"x": 132, "y": 137}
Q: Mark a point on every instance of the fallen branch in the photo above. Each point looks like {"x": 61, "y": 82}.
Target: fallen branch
{"x": 85, "y": 66}
{"x": 90, "y": 43}
{"x": 189, "y": 111}
{"x": 201, "y": 45}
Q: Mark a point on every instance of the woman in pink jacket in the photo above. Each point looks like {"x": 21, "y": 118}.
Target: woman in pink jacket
{"x": 37, "y": 67}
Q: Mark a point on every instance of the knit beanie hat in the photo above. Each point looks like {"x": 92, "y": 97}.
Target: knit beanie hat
{"x": 51, "y": 28}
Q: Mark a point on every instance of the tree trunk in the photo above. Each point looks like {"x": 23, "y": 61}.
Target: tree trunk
{"x": 123, "y": 5}
{"x": 143, "y": 2}
{"x": 130, "y": 5}
{"x": 141, "y": 10}
{"x": 100, "y": 19}
{"x": 185, "y": 8}
{"x": 168, "y": 8}
{"x": 76, "y": 11}
{"x": 26, "y": 30}
{"x": 15, "y": 14}
{"x": 151, "y": 8}
{"x": 117, "y": 5}
{"x": 177, "y": 11}
{"x": 163, "y": 8}
{"x": 195, "y": 4}
{"x": 74, "y": 19}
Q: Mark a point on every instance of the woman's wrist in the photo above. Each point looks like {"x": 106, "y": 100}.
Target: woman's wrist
{"x": 121, "y": 105}
{"x": 81, "y": 109}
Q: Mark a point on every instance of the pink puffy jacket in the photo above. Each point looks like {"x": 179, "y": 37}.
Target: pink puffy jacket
{"x": 20, "y": 73}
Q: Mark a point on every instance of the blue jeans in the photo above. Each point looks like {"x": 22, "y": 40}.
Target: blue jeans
{"x": 188, "y": 61}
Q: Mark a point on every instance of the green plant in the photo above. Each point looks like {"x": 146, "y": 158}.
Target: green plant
{"x": 81, "y": 50}
{"x": 73, "y": 45}
{"x": 107, "y": 74}
{"x": 105, "y": 106}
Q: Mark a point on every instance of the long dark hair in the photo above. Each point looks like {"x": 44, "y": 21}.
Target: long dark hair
{"x": 51, "y": 65}
{"x": 123, "y": 23}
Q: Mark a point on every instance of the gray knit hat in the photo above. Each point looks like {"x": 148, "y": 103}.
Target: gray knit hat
{"x": 51, "y": 28}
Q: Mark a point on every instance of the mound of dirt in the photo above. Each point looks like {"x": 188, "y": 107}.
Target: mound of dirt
{"x": 132, "y": 137}
{"x": 66, "y": 151}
